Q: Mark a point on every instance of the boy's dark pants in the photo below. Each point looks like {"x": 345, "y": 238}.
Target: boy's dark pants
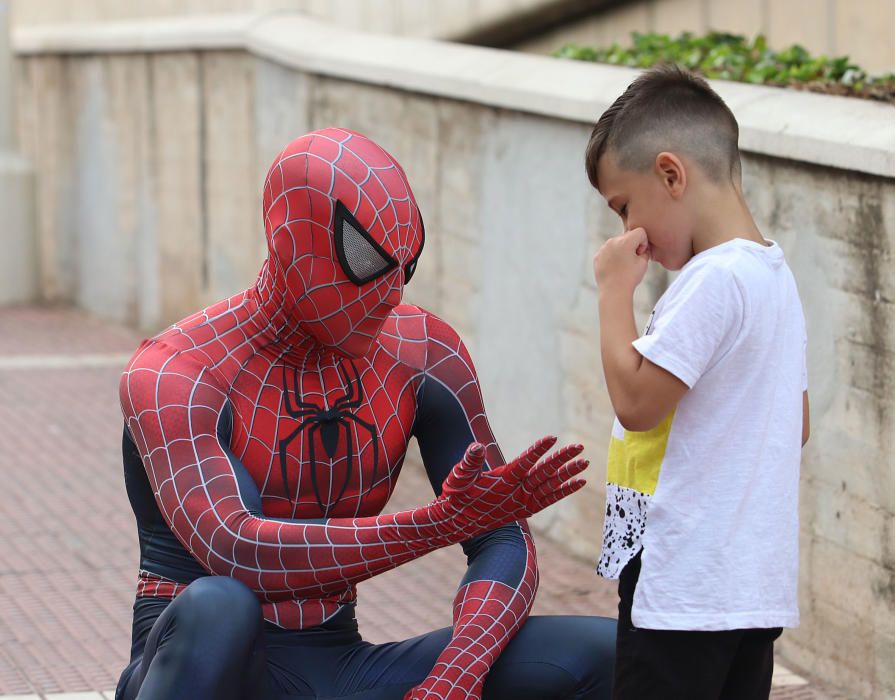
{"x": 672, "y": 665}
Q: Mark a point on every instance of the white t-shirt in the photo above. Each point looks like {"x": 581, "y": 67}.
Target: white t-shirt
{"x": 711, "y": 494}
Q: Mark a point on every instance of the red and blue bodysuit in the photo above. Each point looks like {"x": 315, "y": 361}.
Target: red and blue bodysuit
{"x": 263, "y": 438}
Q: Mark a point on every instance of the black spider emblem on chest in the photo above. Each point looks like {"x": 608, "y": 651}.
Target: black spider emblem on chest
{"x": 331, "y": 423}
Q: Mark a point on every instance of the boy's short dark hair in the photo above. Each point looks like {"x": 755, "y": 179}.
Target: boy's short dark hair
{"x": 667, "y": 109}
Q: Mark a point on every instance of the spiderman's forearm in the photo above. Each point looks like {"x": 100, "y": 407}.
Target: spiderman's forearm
{"x": 488, "y": 611}
{"x": 284, "y": 560}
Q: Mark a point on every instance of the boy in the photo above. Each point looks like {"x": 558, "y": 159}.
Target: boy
{"x": 712, "y": 410}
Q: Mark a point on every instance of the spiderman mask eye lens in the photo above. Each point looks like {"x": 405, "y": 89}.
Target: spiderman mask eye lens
{"x": 360, "y": 256}
{"x": 409, "y": 270}
{"x": 410, "y": 267}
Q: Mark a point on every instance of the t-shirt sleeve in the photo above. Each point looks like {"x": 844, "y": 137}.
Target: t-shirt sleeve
{"x": 805, "y": 363}
{"x": 695, "y": 325}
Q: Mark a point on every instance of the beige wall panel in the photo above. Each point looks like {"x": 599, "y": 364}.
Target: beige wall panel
{"x": 454, "y": 301}
{"x": 846, "y": 431}
{"x": 677, "y": 16}
{"x": 450, "y": 297}
{"x": 316, "y": 8}
{"x": 177, "y": 138}
{"x": 417, "y": 18}
{"x": 46, "y": 136}
{"x": 527, "y": 212}
{"x": 868, "y": 601}
{"x": 587, "y": 412}
{"x": 884, "y": 652}
{"x": 487, "y": 11}
{"x": 619, "y": 24}
{"x": 267, "y": 6}
{"x": 604, "y": 29}
{"x": 93, "y": 205}
{"x": 347, "y": 12}
{"x": 805, "y": 22}
{"x": 865, "y": 31}
{"x": 232, "y": 190}
{"x": 452, "y": 18}
{"x": 282, "y": 105}
{"x": 222, "y": 6}
{"x": 452, "y": 221}
{"x": 380, "y": 17}
{"x": 837, "y": 237}
{"x": 149, "y": 311}
{"x": 830, "y": 645}
{"x": 94, "y": 162}
{"x": 587, "y": 417}
{"x": 462, "y": 131}
{"x": 111, "y": 187}
{"x": 854, "y": 251}
{"x": 845, "y": 638}
{"x": 532, "y": 224}
{"x": 736, "y": 16}
{"x": 870, "y": 367}
{"x": 23, "y": 12}
{"x": 549, "y": 42}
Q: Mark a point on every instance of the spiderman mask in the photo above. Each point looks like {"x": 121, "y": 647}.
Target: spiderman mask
{"x": 344, "y": 234}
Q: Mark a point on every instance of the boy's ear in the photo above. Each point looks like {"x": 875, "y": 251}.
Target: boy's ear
{"x": 671, "y": 170}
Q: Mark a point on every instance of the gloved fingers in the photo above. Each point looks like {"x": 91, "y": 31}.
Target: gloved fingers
{"x": 549, "y": 467}
{"x": 551, "y": 497}
{"x": 562, "y": 475}
{"x": 466, "y": 471}
{"x": 520, "y": 466}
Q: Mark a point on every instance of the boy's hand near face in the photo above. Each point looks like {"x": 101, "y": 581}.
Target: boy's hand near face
{"x": 621, "y": 262}
{"x": 642, "y": 393}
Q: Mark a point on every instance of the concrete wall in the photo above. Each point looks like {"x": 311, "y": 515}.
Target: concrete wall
{"x": 861, "y": 29}
{"x": 150, "y": 165}
{"x": 430, "y": 18}
{"x": 18, "y": 265}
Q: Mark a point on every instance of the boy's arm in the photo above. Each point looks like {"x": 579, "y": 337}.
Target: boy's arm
{"x": 642, "y": 393}
{"x": 806, "y": 419}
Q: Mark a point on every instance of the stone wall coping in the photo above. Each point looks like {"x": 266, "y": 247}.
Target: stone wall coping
{"x": 136, "y": 36}
{"x": 830, "y": 131}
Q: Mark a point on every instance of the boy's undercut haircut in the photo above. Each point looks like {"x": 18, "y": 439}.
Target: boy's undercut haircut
{"x": 667, "y": 109}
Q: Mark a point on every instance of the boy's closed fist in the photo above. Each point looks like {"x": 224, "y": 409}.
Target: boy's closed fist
{"x": 621, "y": 261}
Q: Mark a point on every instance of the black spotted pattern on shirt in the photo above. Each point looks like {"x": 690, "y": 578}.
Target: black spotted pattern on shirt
{"x": 623, "y": 528}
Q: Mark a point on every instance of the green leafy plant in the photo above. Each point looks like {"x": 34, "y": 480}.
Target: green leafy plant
{"x": 734, "y": 57}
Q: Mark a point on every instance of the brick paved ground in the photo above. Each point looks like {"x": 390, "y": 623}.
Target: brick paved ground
{"x": 68, "y": 549}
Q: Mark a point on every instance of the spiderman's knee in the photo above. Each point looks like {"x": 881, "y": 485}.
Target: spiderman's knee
{"x": 592, "y": 660}
{"x": 222, "y": 604}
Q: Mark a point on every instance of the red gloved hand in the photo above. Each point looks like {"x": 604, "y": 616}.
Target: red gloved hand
{"x": 475, "y": 501}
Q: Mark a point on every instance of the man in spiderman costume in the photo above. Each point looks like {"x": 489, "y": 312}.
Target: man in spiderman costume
{"x": 263, "y": 438}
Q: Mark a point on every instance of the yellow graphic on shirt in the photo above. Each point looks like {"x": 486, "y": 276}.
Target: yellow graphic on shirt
{"x": 636, "y": 458}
